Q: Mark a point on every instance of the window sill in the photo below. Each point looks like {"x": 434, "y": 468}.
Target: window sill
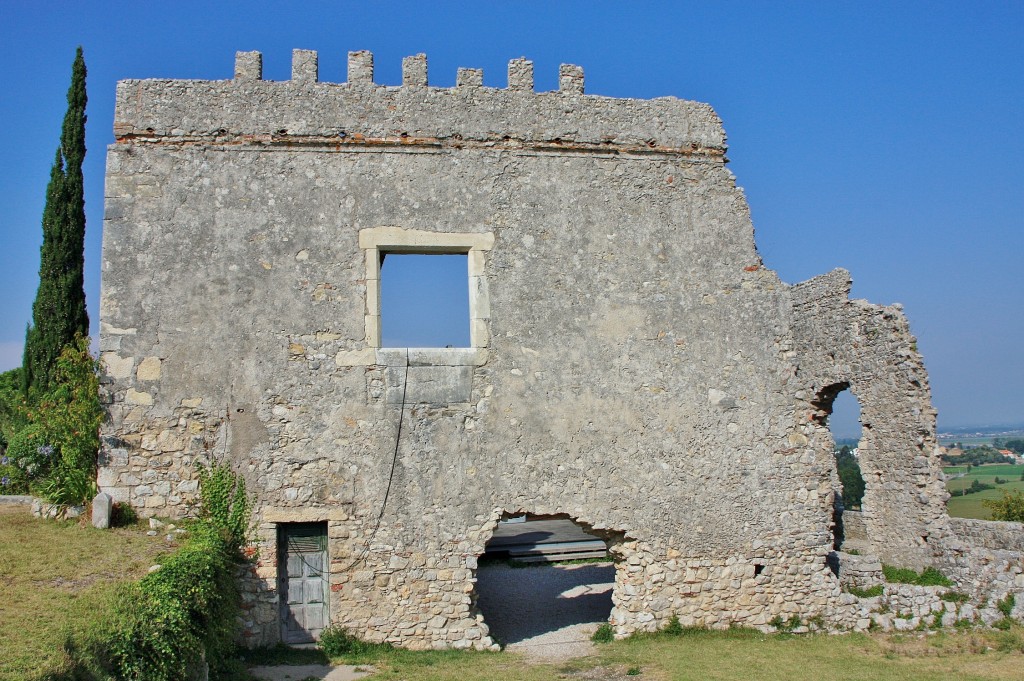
{"x": 413, "y": 357}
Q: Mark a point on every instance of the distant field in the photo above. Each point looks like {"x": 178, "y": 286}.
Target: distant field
{"x": 969, "y": 441}
{"x": 970, "y": 506}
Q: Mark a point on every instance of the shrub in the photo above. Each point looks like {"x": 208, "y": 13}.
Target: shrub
{"x": 52, "y": 451}
{"x": 164, "y": 626}
{"x": 673, "y": 628}
{"x": 604, "y": 634}
{"x": 955, "y": 597}
{"x": 1005, "y": 606}
{"x": 122, "y": 514}
{"x": 785, "y": 625}
{"x": 224, "y": 503}
{"x": 1008, "y": 508}
{"x": 869, "y": 592}
{"x": 173, "y": 617}
{"x": 927, "y": 577}
{"x": 338, "y": 642}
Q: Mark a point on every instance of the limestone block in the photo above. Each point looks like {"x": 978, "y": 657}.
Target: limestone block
{"x": 102, "y": 506}
{"x": 133, "y": 396}
{"x": 117, "y": 366}
{"x": 356, "y": 358}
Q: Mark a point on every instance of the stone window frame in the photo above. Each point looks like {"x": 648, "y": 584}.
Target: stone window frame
{"x": 390, "y": 239}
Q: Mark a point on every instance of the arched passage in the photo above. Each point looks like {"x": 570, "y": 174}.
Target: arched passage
{"x": 546, "y": 580}
{"x": 839, "y": 410}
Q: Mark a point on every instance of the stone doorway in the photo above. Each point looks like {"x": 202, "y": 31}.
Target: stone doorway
{"x": 547, "y": 584}
{"x": 302, "y": 577}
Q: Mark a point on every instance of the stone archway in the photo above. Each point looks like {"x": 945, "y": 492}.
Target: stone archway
{"x": 530, "y": 591}
{"x": 848, "y": 528}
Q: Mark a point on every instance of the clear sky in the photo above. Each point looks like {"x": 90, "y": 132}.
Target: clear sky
{"x": 886, "y": 138}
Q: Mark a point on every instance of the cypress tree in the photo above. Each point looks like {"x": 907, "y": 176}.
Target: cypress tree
{"x": 58, "y": 312}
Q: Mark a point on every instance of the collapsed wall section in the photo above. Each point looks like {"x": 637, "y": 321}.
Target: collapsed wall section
{"x": 869, "y": 349}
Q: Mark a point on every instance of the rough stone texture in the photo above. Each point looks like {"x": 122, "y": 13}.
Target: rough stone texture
{"x": 990, "y": 535}
{"x": 633, "y": 364}
{"x": 858, "y": 571}
{"x": 414, "y": 71}
{"x": 102, "y": 506}
{"x": 520, "y": 75}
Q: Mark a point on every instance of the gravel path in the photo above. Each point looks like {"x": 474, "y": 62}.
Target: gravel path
{"x": 546, "y": 612}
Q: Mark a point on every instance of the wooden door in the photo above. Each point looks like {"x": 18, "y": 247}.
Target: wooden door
{"x": 302, "y": 571}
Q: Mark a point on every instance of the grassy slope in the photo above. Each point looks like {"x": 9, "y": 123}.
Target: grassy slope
{"x": 970, "y": 506}
{"x": 55, "y": 575}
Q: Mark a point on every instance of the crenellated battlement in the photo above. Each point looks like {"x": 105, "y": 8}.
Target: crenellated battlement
{"x": 305, "y": 110}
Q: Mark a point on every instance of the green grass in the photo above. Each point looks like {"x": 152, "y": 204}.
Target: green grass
{"x": 970, "y": 506}
{"x": 735, "y": 654}
{"x": 57, "y": 576}
{"x": 927, "y": 577}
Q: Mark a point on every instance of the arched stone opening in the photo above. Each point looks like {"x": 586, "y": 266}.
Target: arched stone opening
{"x": 546, "y": 579}
{"x": 839, "y": 415}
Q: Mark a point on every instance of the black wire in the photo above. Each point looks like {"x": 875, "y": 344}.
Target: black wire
{"x": 391, "y": 477}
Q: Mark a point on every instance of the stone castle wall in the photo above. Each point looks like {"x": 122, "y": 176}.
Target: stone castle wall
{"x": 632, "y": 364}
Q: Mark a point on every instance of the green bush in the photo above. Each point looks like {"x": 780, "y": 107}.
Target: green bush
{"x": 1008, "y": 508}
{"x": 168, "y": 621}
{"x": 604, "y": 634}
{"x": 122, "y": 514}
{"x": 785, "y": 625}
{"x": 52, "y": 439}
{"x": 224, "y": 502}
{"x": 869, "y": 592}
{"x": 927, "y": 577}
{"x": 162, "y": 627}
{"x": 338, "y": 642}
{"x": 1005, "y": 606}
{"x": 955, "y": 597}
{"x": 674, "y": 627}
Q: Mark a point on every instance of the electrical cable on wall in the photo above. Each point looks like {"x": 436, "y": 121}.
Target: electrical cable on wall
{"x": 391, "y": 477}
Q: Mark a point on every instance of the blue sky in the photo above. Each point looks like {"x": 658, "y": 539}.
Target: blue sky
{"x": 886, "y": 138}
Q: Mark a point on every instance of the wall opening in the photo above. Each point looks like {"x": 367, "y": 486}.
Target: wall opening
{"x": 839, "y": 409}
{"x": 302, "y": 569}
{"x": 424, "y": 300}
{"x": 548, "y": 579}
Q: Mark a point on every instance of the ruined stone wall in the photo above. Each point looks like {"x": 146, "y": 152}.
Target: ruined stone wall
{"x": 633, "y": 364}
{"x": 997, "y": 536}
{"x": 869, "y": 349}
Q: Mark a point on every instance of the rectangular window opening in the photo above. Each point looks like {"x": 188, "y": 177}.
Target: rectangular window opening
{"x": 424, "y": 300}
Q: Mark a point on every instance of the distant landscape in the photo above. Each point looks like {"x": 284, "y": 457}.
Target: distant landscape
{"x": 979, "y": 435}
{"x": 975, "y": 468}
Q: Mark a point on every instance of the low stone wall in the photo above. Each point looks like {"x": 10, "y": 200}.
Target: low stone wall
{"x": 854, "y": 529}
{"x": 989, "y": 534}
{"x": 862, "y": 572}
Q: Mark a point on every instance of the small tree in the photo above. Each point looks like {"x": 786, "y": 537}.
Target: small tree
{"x": 59, "y": 312}
{"x": 1010, "y": 507}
